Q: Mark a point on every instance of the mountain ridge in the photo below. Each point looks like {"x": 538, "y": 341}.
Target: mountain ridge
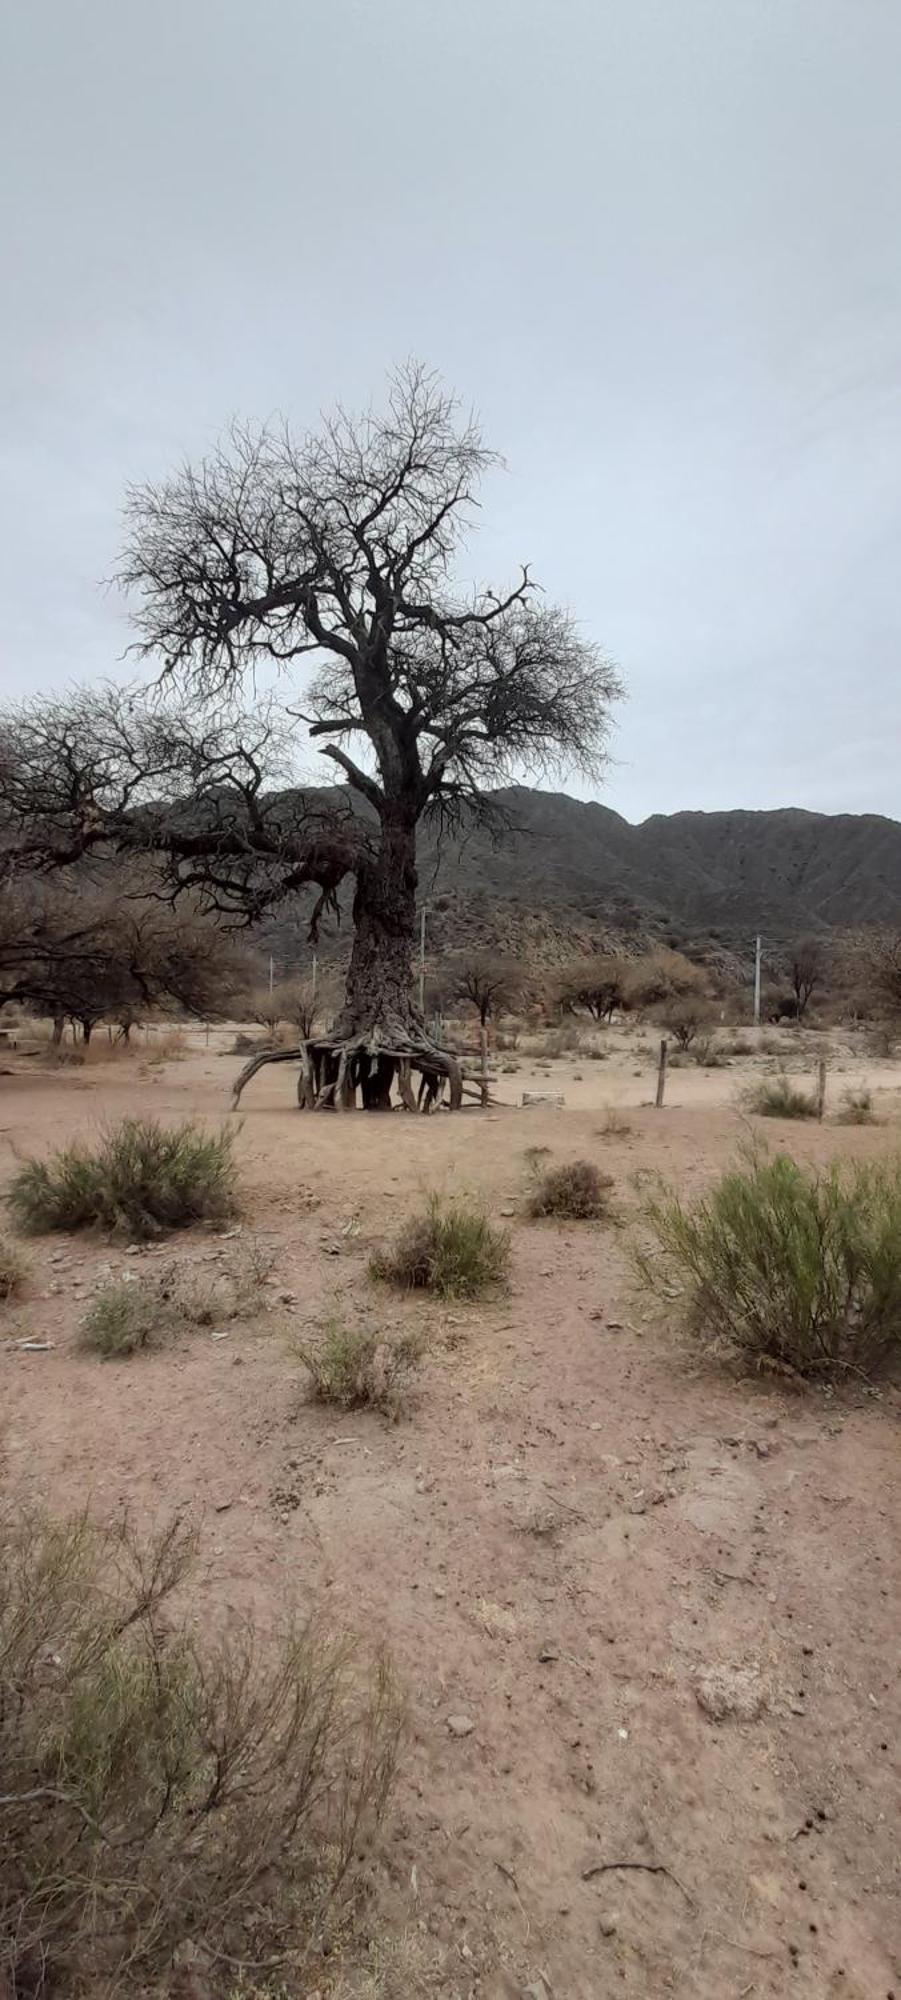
{"x": 573, "y": 876}
{"x": 774, "y": 867}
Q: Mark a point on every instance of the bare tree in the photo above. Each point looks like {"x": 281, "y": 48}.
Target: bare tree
{"x": 89, "y": 950}
{"x": 335, "y": 552}
{"x": 807, "y": 971}
{"x": 488, "y": 983}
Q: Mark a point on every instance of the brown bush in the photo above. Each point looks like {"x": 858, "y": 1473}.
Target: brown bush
{"x": 575, "y": 1192}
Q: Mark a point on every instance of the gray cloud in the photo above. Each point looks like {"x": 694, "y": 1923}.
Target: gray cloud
{"x": 655, "y": 241}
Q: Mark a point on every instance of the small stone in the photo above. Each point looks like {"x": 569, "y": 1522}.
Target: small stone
{"x": 548, "y": 1654}
{"x": 460, "y": 1725}
{"x": 608, "y": 1927}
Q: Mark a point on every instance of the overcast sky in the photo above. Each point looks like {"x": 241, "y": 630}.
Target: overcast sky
{"x": 656, "y": 242}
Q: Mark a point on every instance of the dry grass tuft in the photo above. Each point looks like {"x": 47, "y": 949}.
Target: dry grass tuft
{"x": 857, "y": 1109}
{"x": 13, "y": 1270}
{"x": 614, "y": 1126}
{"x": 451, "y": 1249}
{"x": 775, "y": 1097}
{"x": 356, "y": 1367}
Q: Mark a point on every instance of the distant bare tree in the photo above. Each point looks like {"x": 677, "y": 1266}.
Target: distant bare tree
{"x": 88, "y": 951}
{"x": 806, "y": 970}
{"x": 336, "y": 551}
{"x": 598, "y": 984}
{"x": 489, "y": 984}
{"x": 877, "y": 955}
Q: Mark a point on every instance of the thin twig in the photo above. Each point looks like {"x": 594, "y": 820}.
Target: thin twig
{"x": 644, "y": 1867}
{"x": 565, "y": 1504}
{"x": 752, "y": 1950}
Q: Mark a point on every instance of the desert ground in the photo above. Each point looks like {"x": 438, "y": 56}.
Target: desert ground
{"x": 577, "y": 1520}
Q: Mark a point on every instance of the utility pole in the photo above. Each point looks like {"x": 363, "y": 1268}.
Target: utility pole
{"x": 757, "y": 984}
{"x": 422, "y": 961}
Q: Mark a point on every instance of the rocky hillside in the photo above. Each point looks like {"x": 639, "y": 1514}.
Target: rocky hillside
{"x": 569, "y": 876}
{"x": 734, "y": 870}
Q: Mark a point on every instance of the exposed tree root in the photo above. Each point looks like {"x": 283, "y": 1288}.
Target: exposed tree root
{"x": 334, "y": 1073}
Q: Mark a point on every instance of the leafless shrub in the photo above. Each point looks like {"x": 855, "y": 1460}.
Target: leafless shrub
{"x": 164, "y": 1792}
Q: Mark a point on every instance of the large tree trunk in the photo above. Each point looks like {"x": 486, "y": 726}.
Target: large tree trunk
{"x": 378, "y": 996}
{"x": 379, "y": 1038}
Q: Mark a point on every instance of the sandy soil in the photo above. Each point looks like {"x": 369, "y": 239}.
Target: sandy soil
{"x": 574, "y": 1523}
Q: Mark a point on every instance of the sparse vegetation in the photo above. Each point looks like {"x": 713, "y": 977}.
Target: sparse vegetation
{"x": 13, "y": 1270}
{"x": 143, "y": 1179}
{"x": 709, "y": 1054}
{"x": 776, "y": 1097}
{"x": 614, "y": 1126}
{"x": 138, "y": 1311}
{"x": 882, "y": 1040}
{"x": 684, "y": 1017}
{"x": 789, "y": 1268}
{"x": 357, "y": 1367}
{"x": 163, "y": 1790}
{"x": 123, "y": 1318}
{"x": 576, "y": 1191}
{"x": 857, "y": 1108}
{"x": 451, "y": 1249}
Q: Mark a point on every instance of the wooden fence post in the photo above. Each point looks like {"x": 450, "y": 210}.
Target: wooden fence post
{"x": 661, "y": 1075}
{"x": 483, "y": 1040}
{"x": 821, "y": 1088}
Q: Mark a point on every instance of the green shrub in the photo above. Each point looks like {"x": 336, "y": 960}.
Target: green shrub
{"x": 576, "y": 1191}
{"x": 141, "y": 1180}
{"x": 451, "y": 1249}
{"x": 163, "y": 1790}
{"x": 786, "y": 1266}
{"x": 358, "y": 1367}
{"x": 13, "y": 1270}
{"x": 857, "y": 1108}
{"x": 775, "y": 1097}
